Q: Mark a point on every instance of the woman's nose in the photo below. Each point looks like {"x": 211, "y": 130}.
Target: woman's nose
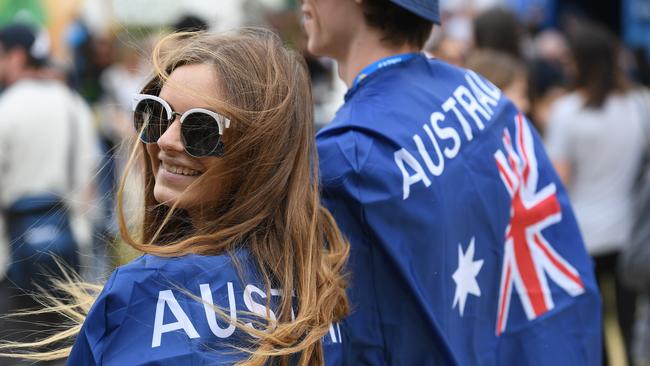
{"x": 171, "y": 139}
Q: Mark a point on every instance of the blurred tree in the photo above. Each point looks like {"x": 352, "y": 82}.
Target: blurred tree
{"x": 25, "y": 10}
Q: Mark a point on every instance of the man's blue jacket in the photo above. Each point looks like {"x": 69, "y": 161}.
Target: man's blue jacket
{"x": 465, "y": 249}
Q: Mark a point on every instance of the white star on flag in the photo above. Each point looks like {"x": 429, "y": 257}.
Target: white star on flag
{"x": 465, "y": 276}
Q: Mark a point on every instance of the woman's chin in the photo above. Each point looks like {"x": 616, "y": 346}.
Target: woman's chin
{"x": 169, "y": 197}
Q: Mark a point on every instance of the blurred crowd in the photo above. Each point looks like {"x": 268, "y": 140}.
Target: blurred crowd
{"x": 581, "y": 87}
{"x": 586, "y": 93}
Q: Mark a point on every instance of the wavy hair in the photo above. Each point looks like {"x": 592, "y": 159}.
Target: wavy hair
{"x": 270, "y": 203}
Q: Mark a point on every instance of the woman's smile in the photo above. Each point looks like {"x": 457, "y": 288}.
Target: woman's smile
{"x": 176, "y": 173}
{"x": 179, "y": 170}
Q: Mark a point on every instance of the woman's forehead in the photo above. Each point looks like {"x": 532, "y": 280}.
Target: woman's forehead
{"x": 191, "y": 86}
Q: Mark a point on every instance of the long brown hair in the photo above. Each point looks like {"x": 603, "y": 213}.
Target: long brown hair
{"x": 270, "y": 202}
{"x": 595, "y": 52}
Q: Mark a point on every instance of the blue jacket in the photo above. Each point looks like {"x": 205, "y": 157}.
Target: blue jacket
{"x": 465, "y": 249}
{"x": 158, "y": 311}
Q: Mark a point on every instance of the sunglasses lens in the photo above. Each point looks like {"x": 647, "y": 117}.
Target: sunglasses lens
{"x": 152, "y": 115}
{"x": 201, "y": 134}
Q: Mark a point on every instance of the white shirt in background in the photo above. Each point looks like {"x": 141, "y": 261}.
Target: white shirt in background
{"x": 603, "y": 148}
{"x": 35, "y": 118}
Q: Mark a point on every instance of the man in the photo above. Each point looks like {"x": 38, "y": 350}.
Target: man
{"x": 465, "y": 250}
{"x": 47, "y": 145}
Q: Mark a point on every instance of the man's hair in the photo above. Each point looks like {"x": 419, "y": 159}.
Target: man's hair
{"x": 397, "y": 24}
{"x": 25, "y": 37}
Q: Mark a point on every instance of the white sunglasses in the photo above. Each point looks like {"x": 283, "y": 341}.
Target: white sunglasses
{"x": 201, "y": 129}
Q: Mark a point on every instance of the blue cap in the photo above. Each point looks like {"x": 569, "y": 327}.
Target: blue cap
{"x": 19, "y": 35}
{"x": 427, "y": 9}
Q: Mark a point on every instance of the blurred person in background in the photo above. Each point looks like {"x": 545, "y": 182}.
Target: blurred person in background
{"x": 445, "y": 47}
{"x": 506, "y": 72}
{"x": 551, "y": 46}
{"x": 453, "y": 42}
{"x": 595, "y": 137}
{"x": 498, "y": 41}
{"x": 548, "y": 67}
{"x": 123, "y": 78}
{"x": 119, "y": 82}
{"x": 37, "y": 155}
{"x": 190, "y": 23}
{"x": 547, "y": 83}
{"x": 641, "y": 73}
{"x": 498, "y": 29}
{"x": 465, "y": 250}
{"x": 92, "y": 54}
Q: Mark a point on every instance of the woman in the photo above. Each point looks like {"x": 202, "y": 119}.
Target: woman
{"x": 595, "y": 137}
{"x": 232, "y": 220}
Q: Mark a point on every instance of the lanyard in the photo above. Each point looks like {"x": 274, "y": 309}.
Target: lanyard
{"x": 380, "y": 64}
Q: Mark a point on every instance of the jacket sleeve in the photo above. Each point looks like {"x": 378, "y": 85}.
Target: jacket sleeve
{"x": 339, "y": 155}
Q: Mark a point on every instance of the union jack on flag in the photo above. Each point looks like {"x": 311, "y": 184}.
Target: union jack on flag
{"x": 529, "y": 260}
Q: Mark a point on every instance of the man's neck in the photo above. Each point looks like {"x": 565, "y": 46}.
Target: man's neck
{"x": 363, "y": 51}
{"x": 23, "y": 74}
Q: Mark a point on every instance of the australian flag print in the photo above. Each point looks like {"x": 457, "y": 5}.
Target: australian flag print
{"x": 465, "y": 250}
